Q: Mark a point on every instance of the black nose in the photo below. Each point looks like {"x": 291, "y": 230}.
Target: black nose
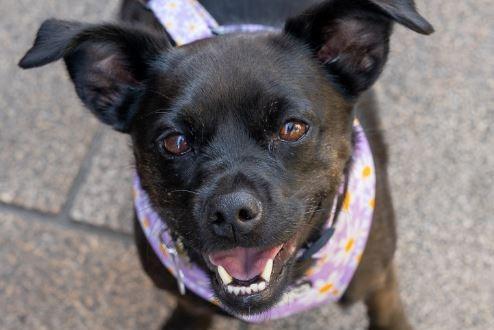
{"x": 234, "y": 213}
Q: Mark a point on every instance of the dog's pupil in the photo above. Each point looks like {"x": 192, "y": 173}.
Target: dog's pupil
{"x": 292, "y": 130}
{"x": 176, "y": 144}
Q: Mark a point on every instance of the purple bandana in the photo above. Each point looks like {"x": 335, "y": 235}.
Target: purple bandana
{"x": 336, "y": 261}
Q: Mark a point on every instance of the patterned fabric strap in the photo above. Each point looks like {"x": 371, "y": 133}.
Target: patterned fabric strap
{"x": 336, "y": 262}
{"x": 185, "y": 20}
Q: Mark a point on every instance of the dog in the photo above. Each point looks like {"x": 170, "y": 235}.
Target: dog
{"x": 242, "y": 141}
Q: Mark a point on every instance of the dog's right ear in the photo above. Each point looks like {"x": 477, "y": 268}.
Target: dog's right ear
{"x": 107, "y": 63}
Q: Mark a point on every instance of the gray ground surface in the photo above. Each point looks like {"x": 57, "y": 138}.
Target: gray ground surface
{"x": 67, "y": 261}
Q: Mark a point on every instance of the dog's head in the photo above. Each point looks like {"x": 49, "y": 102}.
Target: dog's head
{"x": 239, "y": 140}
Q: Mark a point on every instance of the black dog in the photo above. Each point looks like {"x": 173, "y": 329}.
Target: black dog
{"x": 241, "y": 140}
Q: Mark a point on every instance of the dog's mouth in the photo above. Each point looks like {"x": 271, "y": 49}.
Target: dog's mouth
{"x": 250, "y": 277}
{"x": 245, "y": 271}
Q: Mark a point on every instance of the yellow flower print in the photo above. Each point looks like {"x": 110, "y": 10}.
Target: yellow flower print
{"x": 349, "y": 242}
{"x": 172, "y": 5}
{"x": 349, "y": 245}
{"x": 347, "y": 201}
{"x": 145, "y": 223}
{"x": 326, "y": 287}
{"x": 329, "y": 285}
{"x": 192, "y": 27}
{"x": 366, "y": 171}
{"x": 309, "y": 271}
{"x": 163, "y": 250}
{"x": 169, "y": 24}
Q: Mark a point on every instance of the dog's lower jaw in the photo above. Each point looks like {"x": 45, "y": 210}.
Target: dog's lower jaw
{"x": 258, "y": 302}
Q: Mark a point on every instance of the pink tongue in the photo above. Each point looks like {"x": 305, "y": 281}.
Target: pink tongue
{"x": 244, "y": 263}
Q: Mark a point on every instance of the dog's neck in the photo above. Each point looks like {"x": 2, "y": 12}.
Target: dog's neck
{"x": 271, "y": 13}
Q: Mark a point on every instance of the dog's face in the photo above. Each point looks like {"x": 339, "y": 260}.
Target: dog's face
{"x": 240, "y": 140}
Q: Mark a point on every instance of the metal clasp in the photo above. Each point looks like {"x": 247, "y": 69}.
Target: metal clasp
{"x": 175, "y": 258}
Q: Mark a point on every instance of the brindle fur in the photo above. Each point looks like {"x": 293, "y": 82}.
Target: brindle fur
{"x": 374, "y": 281}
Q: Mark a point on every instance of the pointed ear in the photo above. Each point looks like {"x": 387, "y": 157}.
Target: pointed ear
{"x": 107, "y": 64}
{"x": 351, "y": 37}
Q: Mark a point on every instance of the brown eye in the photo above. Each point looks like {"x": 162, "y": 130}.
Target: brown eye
{"x": 176, "y": 144}
{"x": 293, "y": 130}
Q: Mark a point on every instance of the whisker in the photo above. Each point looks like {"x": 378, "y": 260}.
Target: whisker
{"x": 317, "y": 210}
{"x": 160, "y": 94}
{"x": 183, "y": 190}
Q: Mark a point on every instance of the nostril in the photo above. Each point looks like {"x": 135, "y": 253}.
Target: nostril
{"x": 217, "y": 218}
{"x": 246, "y": 214}
{"x": 220, "y": 226}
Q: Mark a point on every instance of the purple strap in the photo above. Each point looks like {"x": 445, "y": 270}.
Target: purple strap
{"x": 185, "y": 20}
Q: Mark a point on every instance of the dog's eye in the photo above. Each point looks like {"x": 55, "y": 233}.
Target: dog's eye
{"x": 293, "y": 130}
{"x": 176, "y": 144}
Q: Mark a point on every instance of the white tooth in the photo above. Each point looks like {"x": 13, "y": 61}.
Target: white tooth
{"x": 248, "y": 290}
{"x": 266, "y": 273}
{"x": 230, "y": 289}
{"x": 262, "y": 286}
{"x": 242, "y": 290}
{"x": 236, "y": 290}
{"x": 254, "y": 287}
{"x": 225, "y": 277}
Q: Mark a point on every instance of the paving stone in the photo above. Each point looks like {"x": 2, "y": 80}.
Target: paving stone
{"x": 105, "y": 196}
{"x": 446, "y": 272}
{"x": 44, "y": 133}
{"x": 55, "y": 278}
{"x": 436, "y": 105}
{"x": 327, "y": 317}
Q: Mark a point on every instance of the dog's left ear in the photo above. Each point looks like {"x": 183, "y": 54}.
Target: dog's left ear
{"x": 351, "y": 37}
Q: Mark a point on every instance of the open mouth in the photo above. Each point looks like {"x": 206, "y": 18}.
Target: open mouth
{"x": 244, "y": 271}
{"x": 247, "y": 272}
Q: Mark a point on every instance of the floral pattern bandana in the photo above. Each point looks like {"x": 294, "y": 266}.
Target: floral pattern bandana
{"x": 335, "y": 263}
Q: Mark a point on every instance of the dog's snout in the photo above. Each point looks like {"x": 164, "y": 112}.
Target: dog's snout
{"x": 235, "y": 213}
